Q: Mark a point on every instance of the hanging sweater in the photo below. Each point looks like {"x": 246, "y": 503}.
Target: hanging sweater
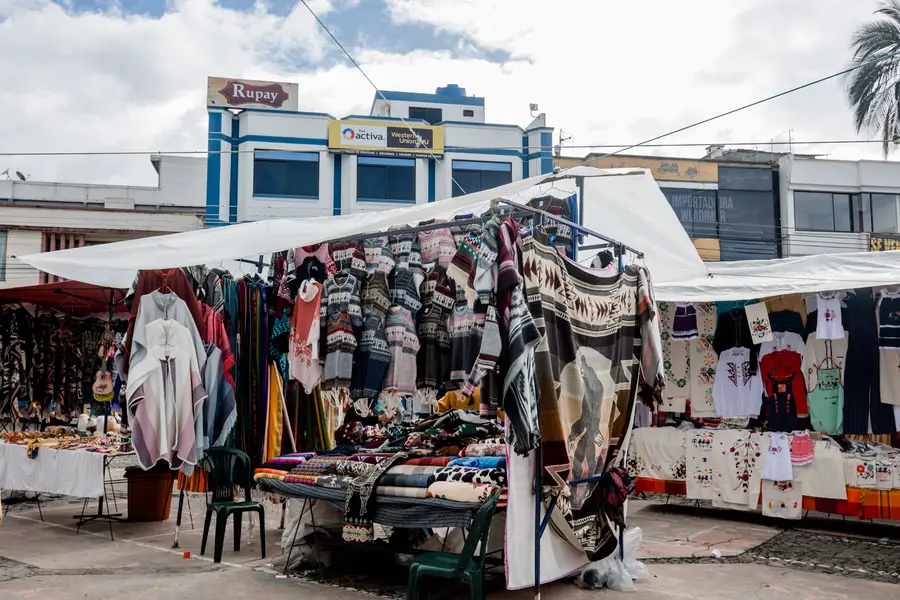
{"x": 436, "y": 246}
{"x": 485, "y": 280}
{"x": 154, "y": 306}
{"x": 407, "y": 254}
{"x": 372, "y": 360}
{"x": 341, "y": 294}
{"x": 341, "y": 345}
{"x": 403, "y": 344}
{"x": 307, "y": 262}
{"x": 733, "y": 331}
{"x": 376, "y": 298}
{"x": 379, "y": 258}
{"x": 405, "y": 290}
{"x": 303, "y": 357}
{"x": 465, "y": 337}
{"x": 349, "y": 257}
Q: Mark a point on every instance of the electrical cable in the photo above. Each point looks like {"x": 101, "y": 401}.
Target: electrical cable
{"x": 744, "y": 107}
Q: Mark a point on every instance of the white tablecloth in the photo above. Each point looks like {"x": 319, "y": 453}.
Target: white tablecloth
{"x": 69, "y": 472}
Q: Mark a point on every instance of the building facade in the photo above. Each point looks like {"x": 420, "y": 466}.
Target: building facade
{"x": 267, "y": 159}
{"x": 831, "y": 206}
{"x": 730, "y": 209}
{"x": 38, "y": 216}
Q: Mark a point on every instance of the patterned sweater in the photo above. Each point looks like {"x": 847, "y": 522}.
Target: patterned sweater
{"x": 438, "y": 300}
{"x": 341, "y": 345}
{"x": 465, "y": 337}
{"x": 372, "y": 360}
{"x": 378, "y": 255}
{"x": 349, "y": 257}
{"x": 376, "y": 296}
{"x": 403, "y": 344}
{"x": 437, "y": 246}
{"x": 341, "y": 294}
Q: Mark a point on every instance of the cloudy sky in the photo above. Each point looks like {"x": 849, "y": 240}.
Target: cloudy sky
{"x": 99, "y": 75}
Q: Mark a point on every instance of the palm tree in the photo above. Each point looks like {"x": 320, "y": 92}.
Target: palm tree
{"x": 874, "y": 87}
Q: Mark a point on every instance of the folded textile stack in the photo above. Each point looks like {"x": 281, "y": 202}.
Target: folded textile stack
{"x": 460, "y": 491}
{"x": 305, "y": 479}
{"x": 490, "y": 447}
{"x": 264, "y": 473}
{"x": 410, "y": 481}
{"x": 431, "y": 461}
{"x": 495, "y": 477}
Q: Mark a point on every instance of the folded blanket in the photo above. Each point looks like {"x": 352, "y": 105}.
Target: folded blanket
{"x": 484, "y": 449}
{"x": 278, "y": 466}
{"x": 406, "y": 469}
{"x": 461, "y": 492}
{"x": 403, "y": 492}
{"x": 294, "y": 458}
{"x": 371, "y": 458}
{"x": 479, "y": 462}
{"x": 422, "y": 480}
{"x": 430, "y": 461}
{"x": 267, "y": 475}
{"x": 471, "y": 475}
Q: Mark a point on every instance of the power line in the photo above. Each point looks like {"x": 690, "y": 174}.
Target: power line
{"x": 746, "y": 106}
{"x": 372, "y": 83}
{"x": 450, "y": 150}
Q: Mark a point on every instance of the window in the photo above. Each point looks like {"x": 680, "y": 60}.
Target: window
{"x": 863, "y": 213}
{"x": 471, "y": 176}
{"x": 884, "y": 213}
{"x": 287, "y": 174}
{"x": 468, "y": 112}
{"x": 429, "y": 115}
{"x": 386, "y": 179}
{"x": 757, "y": 179}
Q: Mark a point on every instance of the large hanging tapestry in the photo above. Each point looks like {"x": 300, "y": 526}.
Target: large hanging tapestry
{"x": 587, "y": 365}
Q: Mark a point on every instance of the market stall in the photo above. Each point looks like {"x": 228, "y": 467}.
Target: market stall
{"x": 362, "y": 328}
{"x": 781, "y": 382}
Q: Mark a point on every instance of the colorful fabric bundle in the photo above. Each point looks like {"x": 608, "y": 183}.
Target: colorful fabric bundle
{"x": 297, "y": 457}
{"x": 402, "y": 491}
{"x": 461, "y": 492}
{"x": 268, "y": 474}
{"x": 304, "y": 479}
{"x": 471, "y": 475}
{"x": 430, "y": 461}
{"x": 479, "y": 462}
{"x": 483, "y": 449}
{"x": 372, "y": 458}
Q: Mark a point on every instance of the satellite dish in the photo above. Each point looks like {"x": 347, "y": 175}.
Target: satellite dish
{"x": 20, "y": 176}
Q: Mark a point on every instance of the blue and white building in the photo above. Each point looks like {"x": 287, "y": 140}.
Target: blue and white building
{"x": 412, "y": 148}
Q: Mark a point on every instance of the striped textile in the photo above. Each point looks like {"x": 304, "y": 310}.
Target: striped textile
{"x": 422, "y": 480}
{"x": 401, "y": 491}
{"x": 304, "y": 479}
{"x": 407, "y": 469}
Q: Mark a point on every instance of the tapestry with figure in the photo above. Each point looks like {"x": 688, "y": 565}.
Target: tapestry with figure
{"x": 597, "y": 333}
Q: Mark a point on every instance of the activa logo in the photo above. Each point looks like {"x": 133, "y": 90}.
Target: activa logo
{"x": 358, "y": 133}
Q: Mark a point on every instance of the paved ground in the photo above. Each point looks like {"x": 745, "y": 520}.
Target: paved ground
{"x": 48, "y": 560}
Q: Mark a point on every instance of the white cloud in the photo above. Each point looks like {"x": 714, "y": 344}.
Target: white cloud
{"x": 606, "y": 73}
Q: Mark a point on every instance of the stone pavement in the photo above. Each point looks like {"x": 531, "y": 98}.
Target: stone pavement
{"x": 48, "y": 560}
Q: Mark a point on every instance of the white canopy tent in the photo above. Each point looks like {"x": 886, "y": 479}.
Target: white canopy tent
{"x": 624, "y": 204}
{"x": 752, "y": 279}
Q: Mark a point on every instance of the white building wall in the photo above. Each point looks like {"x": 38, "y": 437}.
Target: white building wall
{"x": 20, "y": 242}
{"x": 450, "y": 112}
{"x": 837, "y": 176}
{"x": 308, "y": 132}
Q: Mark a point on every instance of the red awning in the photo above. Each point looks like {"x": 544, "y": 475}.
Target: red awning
{"x": 68, "y": 296}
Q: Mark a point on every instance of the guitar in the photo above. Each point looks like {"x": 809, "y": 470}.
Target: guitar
{"x": 103, "y": 381}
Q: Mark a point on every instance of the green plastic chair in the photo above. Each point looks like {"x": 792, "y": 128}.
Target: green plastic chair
{"x": 228, "y": 467}
{"x": 464, "y": 566}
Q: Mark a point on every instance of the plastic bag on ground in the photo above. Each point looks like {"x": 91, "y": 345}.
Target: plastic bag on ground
{"x": 614, "y": 572}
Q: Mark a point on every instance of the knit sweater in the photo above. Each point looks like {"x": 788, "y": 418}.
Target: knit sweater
{"x": 460, "y": 231}
{"x": 378, "y": 255}
{"x": 376, "y": 296}
{"x": 485, "y": 281}
{"x": 405, "y": 290}
{"x": 407, "y": 254}
{"x": 341, "y": 345}
{"x": 349, "y": 257}
{"x": 403, "y": 344}
{"x": 465, "y": 337}
{"x": 372, "y": 360}
{"x": 437, "y": 246}
{"x": 341, "y": 294}
{"x": 488, "y": 354}
{"x": 307, "y": 262}
{"x": 434, "y": 334}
